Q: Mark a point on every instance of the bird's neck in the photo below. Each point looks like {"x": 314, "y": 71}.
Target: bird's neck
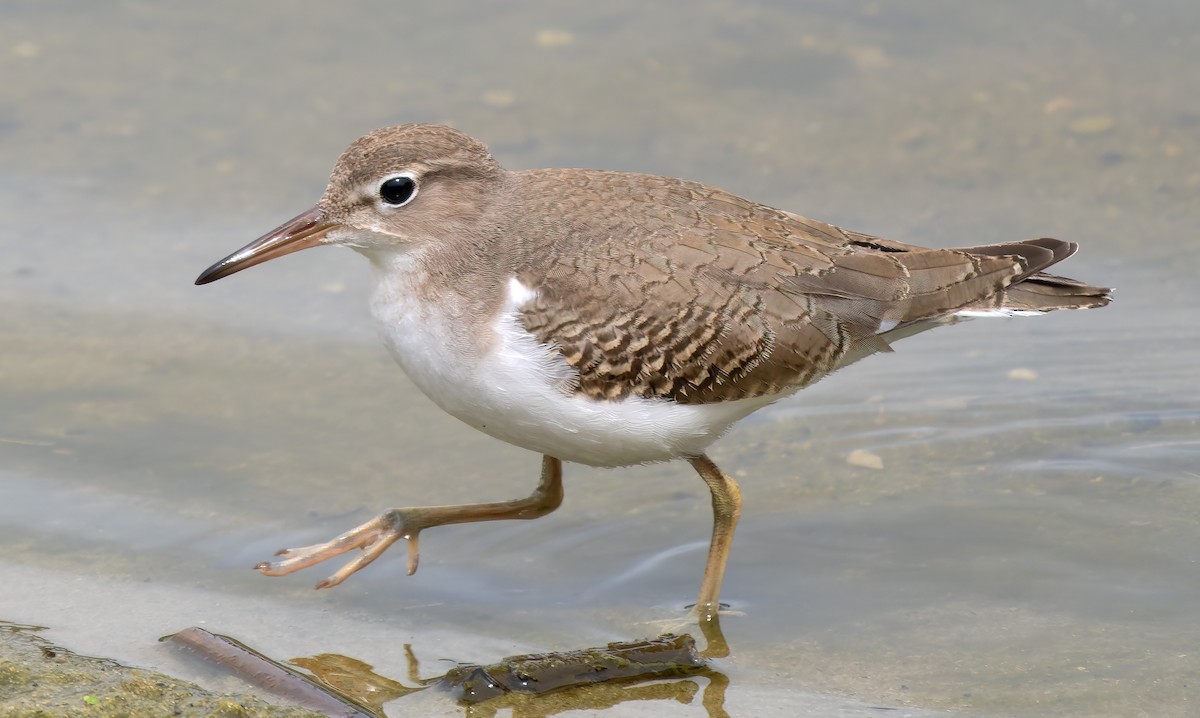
{"x": 427, "y": 282}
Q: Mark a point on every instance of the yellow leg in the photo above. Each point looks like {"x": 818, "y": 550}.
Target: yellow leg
{"x": 727, "y": 507}
{"x": 375, "y": 536}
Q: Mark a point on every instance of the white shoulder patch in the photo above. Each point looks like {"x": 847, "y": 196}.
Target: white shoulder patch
{"x": 518, "y": 294}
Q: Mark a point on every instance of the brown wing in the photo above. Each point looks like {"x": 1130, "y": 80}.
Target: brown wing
{"x": 658, "y": 287}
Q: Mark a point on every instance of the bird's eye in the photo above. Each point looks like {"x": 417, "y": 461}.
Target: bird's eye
{"x": 398, "y": 191}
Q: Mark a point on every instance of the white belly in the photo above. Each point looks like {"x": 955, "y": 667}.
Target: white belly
{"x": 514, "y": 391}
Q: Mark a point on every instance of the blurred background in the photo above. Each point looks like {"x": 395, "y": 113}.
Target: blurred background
{"x": 1000, "y": 518}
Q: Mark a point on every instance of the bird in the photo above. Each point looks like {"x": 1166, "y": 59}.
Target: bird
{"x": 614, "y": 318}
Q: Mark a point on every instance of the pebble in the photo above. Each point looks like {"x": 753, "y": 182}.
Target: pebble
{"x": 499, "y": 99}
{"x": 554, "y": 38}
{"x": 1091, "y": 125}
{"x": 865, "y": 459}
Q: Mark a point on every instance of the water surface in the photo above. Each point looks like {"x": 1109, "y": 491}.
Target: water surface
{"x": 1029, "y": 548}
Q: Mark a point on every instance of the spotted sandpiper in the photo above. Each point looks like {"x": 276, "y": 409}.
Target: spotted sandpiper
{"x": 612, "y": 318}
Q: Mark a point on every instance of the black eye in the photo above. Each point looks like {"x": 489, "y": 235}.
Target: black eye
{"x": 398, "y": 190}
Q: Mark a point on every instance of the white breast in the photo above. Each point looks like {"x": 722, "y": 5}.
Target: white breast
{"x": 514, "y": 390}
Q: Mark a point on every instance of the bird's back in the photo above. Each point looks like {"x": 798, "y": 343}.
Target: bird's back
{"x": 659, "y": 287}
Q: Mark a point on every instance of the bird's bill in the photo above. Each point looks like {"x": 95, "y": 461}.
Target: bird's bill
{"x": 303, "y": 231}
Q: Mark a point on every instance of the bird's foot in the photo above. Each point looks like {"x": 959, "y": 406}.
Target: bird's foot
{"x": 373, "y": 538}
{"x": 708, "y": 617}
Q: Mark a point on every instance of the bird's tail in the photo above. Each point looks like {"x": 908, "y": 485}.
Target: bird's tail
{"x": 1036, "y": 291}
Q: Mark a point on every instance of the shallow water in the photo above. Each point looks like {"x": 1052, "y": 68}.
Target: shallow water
{"x": 1029, "y": 547}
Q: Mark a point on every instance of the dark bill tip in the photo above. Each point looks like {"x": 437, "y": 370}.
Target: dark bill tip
{"x": 301, "y": 232}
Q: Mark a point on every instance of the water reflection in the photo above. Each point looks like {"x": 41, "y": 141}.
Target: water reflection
{"x": 666, "y": 668}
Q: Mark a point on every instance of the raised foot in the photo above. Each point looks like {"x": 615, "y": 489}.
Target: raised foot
{"x": 374, "y": 537}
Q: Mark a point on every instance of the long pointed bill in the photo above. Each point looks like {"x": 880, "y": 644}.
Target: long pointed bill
{"x": 304, "y": 231}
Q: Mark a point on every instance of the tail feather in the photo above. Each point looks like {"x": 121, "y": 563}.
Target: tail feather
{"x": 1046, "y": 292}
{"x": 1034, "y": 290}
{"x": 1036, "y": 253}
